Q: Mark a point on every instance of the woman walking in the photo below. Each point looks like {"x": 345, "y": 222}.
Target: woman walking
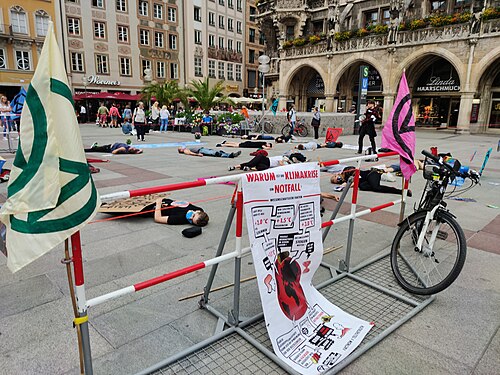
{"x": 139, "y": 121}
{"x": 164, "y": 114}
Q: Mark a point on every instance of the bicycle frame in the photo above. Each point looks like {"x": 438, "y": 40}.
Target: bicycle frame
{"x": 430, "y": 214}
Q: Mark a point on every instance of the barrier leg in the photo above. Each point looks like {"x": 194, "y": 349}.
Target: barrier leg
{"x": 337, "y": 208}
{"x": 234, "y": 314}
{"x": 403, "y": 201}
{"x": 222, "y": 242}
{"x": 81, "y": 302}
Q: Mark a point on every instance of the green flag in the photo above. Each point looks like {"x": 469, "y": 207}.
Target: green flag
{"x": 51, "y": 194}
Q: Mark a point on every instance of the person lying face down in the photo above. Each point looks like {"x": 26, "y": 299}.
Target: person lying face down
{"x": 168, "y": 211}
{"x": 246, "y": 144}
{"x": 115, "y": 148}
{"x": 257, "y": 137}
{"x": 311, "y": 146}
{"x": 202, "y": 151}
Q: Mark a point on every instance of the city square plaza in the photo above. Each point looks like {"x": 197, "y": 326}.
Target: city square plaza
{"x": 458, "y": 333}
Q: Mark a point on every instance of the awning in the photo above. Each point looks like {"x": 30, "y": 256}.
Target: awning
{"x": 107, "y": 95}
{"x": 246, "y": 100}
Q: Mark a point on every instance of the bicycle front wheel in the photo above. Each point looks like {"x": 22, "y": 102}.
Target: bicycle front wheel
{"x": 285, "y": 130}
{"x": 257, "y": 127}
{"x": 302, "y": 131}
{"x": 436, "y": 266}
{"x": 268, "y": 127}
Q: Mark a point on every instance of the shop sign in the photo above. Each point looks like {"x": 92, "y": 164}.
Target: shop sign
{"x": 474, "y": 114}
{"x": 232, "y": 88}
{"x": 96, "y": 80}
{"x": 436, "y": 84}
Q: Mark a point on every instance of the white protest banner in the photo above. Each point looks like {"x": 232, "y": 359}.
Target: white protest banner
{"x": 282, "y": 209}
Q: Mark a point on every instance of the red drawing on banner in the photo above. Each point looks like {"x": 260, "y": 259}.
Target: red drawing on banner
{"x": 268, "y": 281}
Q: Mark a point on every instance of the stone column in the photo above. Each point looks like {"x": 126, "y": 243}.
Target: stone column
{"x": 388, "y": 103}
{"x": 282, "y": 102}
{"x": 329, "y": 101}
{"x": 463, "y": 123}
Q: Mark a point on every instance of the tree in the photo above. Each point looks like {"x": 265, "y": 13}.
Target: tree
{"x": 164, "y": 93}
{"x": 207, "y": 96}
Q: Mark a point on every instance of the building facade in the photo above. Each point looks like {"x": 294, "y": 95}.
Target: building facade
{"x": 121, "y": 45}
{"x": 23, "y": 26}
{"x": 254, "y": 47}
{"x": 214, "y": 37}
{"x": 450, "y": 50}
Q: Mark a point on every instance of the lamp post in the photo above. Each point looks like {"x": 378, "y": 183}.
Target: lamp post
{"x": 263, "y": 69}
{"x": 85, "y": 82}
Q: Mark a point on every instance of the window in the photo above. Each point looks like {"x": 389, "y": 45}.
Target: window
{"x": 73, "y": 26}
{"x": 238, "y": 6}
{"x": 221, "y": 22}
{"x": 251, "y": 35}
{"x": 197, "y": 36}
{"x": 145, "y": 64}
{"x": 23, "y": 60}
{"x": 42, "y": 22}
{"x": 230, "y": 26}
{"x": 159, "y": 39}
{"x": 461, "y": 5}
{"x": 160, "y": 69}
{"x": 98, "y": 3}
{"x": 238, "y": 72}
{"x": 290, "y": 32}
{"x": 77, "y": 62}
{"x": 123, "y": 34}
{"x": 172, "y": 41}
{"x": 251, "y": 78}
{"x": 101, "y": 64}
{"x": 172, "y": 14}
{"x": 158, "y": 11}
{"x": 125, "y": 66}
{"x": 18, "y": 20}
{"x": 221, "y": 42}
{"x": 211, "y": 40}
{"x": 438, "y": 6}
{"x": 371, "y": 18}
{"x": 99, "y": 30}
{"x": 143, "y": 8}
{"x": 230, "y": 71}
{"x": 238, "y": 46}
{"x": 230, "y": 44}
{"x": 197, "y": 14}
{"x": 238, "y": 27}
{"x": 221, "y": 2}
{"x": 221, "y": 69}
{"x": 121, "y": 6}
{"x": 211, "y": 18}
{"x": 3, "y": 60}
{"x": 253, "y": 11}
{"x": 262, "y": 39}
{"x": 174, "y": 71}
{"x": 211, "y": 68}
{"x": 251, "y": 56}
{"x": 230, "y": 4}
{"x": 144, "y": 37}
{"x": 386, "y": 17}
{"x": 198, "y": 67}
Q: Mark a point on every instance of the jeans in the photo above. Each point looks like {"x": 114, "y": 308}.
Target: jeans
{"x": 7, "y": 124}
{"x": 209, "y": 152}
{"x": 126, "y": 128}
{"x": 292, "y": 126}
{"x": 163, "y": 124}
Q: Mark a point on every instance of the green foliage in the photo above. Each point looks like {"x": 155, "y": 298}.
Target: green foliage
{"x": 206, "y": 96}
{"x": 417, "y": 24}
{"x": 343, "y": 35}
{"x": 491, "y": 13}
{"x": 164, "y": 93}
{"x": 380, "y": 29}
{"x": 299, "y": 42}
{"x": 313, "y": 39}
{"x": 362, "y": 32}
{"x": 287, "y": 44}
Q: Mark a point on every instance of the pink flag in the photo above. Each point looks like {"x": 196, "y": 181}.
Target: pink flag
{"x": 399, "y": 130}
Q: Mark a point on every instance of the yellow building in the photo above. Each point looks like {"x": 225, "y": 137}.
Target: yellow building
{"x": 23, "y": 26}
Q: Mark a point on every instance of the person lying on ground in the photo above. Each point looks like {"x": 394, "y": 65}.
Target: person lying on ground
{"x": 115, "y": 148}
{"x": 203, "y": 151}
{"x": 311, "y": 146}
{"x": 259, "y": 162}
{"x": 168, "y": 211}
{"x": 246, "y": 144}
{"x": 369, "y": 180}
{"x": 284, "y": 139}
{"x": 257, "y": 137}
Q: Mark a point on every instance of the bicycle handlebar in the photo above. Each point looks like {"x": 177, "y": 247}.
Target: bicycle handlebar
{"x": 473, "y": 175}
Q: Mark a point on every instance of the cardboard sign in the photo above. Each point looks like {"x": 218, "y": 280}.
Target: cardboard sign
{"x": 332, "y": 134}
{"x": 132, "y": 205}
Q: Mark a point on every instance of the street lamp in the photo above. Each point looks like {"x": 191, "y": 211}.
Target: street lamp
{"x": 85, "y": 82}
{"x": 263, "y": 69}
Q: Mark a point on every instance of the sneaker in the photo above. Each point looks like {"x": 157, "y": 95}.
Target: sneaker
{"x": 236, "y": 154}
{"x": 231, "y": 168}
{"x": 409, "y": 193}
{"x": 358, "y": 152}
{"x": 295, "y": 160}
{"x": 94, "y": 145}
{"x": 246, "y": 169}
{"x": 218, "y": 145}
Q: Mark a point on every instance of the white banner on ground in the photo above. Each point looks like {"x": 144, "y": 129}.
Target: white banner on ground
{"x": 282, "y": 210}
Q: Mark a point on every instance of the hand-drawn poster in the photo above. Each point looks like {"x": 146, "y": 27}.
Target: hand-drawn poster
{"x": 282, "y": 210}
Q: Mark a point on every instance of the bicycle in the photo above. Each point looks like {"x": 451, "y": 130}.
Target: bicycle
{"x": 258, "y": 125}
{"x": 300, "y": 129}
{"x": 429, "y": 249}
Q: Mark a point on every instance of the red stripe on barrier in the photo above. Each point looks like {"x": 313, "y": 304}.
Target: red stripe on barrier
{"x": 331, "y": 162}
{"x": 76, "y": 249}
{"x": 406, "y": 184}
{"x": 355, "y": 187}
{"x": 328, "y": 223}
{"x": 168, "y": 276}
{"x": 171, "y": 187}
{"x": 385, "y": 154}
{"x": 239, "y": 214}
{"x": 382, "y": 206}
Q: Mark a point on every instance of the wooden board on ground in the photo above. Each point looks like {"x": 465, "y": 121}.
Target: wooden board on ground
{"x": 132, "y": 205}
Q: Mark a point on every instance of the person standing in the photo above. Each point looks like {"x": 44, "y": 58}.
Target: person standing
{"x": 114, "y": 113}
{"x": 292, "y": 118}
{"x": 164, "y": 115}
{"x": 102, "y": 113}
{"x": 155, "y": 115}
{"x": 5, "y": 117}
{"x": 315, "y": 122}
{"x": 127, "y": 119}
{"x": 139, "y": 121}
{"x": 368, "y": 128}
{"x": 83, "y": 114}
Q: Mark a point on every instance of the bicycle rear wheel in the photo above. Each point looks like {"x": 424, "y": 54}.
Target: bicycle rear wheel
{"x": 285, "y": 130}
{"x": 268, "y": 127}
{"x": 438, "y": 264}
{"x": 257, "y": 127}
{"x": 302, "y": 131}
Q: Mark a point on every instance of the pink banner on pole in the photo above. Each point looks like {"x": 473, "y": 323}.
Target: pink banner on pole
{"x": 399, "y": 130}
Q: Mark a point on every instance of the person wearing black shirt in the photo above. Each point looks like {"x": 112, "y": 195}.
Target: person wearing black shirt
{"x": 168, "y": 211}
{"x": 368, "y": 127}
